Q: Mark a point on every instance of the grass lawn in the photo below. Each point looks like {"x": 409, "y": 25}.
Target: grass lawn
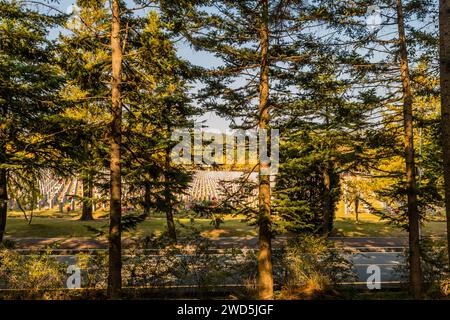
{"x": 371, "y": 226}
{"x": 55, "y": 227}
{"x": 50, "y": 223}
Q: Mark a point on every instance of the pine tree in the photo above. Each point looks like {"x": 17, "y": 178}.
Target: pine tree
{"x": 84, "y": 57}
{"x": 396, "y": 44}
{"x": 155, "y": 95}
{"x": 152, "y": 101}
{"x": 115, "y": 135}
{"x": 413, "y": 210}
{"x": 444, "y": 26}
{"x": 28, "y": 95}
{"x": 258, "y": 42}
{"x": 325, "y": 130}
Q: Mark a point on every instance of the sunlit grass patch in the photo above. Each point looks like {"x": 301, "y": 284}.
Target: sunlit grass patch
{"x": 50, "y": 227}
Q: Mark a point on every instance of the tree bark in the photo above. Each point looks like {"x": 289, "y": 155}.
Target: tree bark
{"x": 167, "y": 199}
{"x": 3, "y": 180}
{"x": 444, "y": 26}
{"x": 147, "y": 199}
{"x": 115, "y": 245}
{"x": 328, "y": 207}
{"x": 3, "y": 202}
{"x": 265, "y": 275}
{"x": 413, "y": 211}
{"x": 86, "y": 211}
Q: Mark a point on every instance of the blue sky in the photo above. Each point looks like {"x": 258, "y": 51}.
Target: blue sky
{"x": 200, "y": 58}
{"x": 203, "y": 59}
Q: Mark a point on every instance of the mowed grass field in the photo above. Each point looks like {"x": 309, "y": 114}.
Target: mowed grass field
{"x": 50, "y": 224}
{"x": 370, "y": 225}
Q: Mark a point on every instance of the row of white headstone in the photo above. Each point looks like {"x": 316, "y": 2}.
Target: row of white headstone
{"x": 205, "y": 188}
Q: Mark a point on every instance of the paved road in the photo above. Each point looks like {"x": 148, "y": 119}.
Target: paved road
{"x": 372, "y": 243}
{"x": 223, "y": 242}
{"x": 386, "y": 252}
{"x": 89, "y": 243}
{"x": 388, "y": 262}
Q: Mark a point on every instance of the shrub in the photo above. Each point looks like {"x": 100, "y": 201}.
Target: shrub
{"x": 192, "y": 264}
{"x": 436, "y": 273}
{"x": 311, "y": 265}
{"x": 435, "y": 268}
{"x": 94, "y": 269}
{"x": 33, "y": 275}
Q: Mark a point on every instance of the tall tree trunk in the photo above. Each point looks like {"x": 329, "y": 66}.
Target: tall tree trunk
{"x": 86, "y": 211}
{"x": 3, "y": 181}
{"x": 345, "y": 199}
{"x": 115, "y": 245}
{"x": 413, "y": 211}
{"x": 168, "y": 199}
{"x": 328, "y": 207}
{"x": 147, "y": 198}
{"x": 265, "y": 275}
{"x": 3, "y": 202}
{"x": 444, "y": 26}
